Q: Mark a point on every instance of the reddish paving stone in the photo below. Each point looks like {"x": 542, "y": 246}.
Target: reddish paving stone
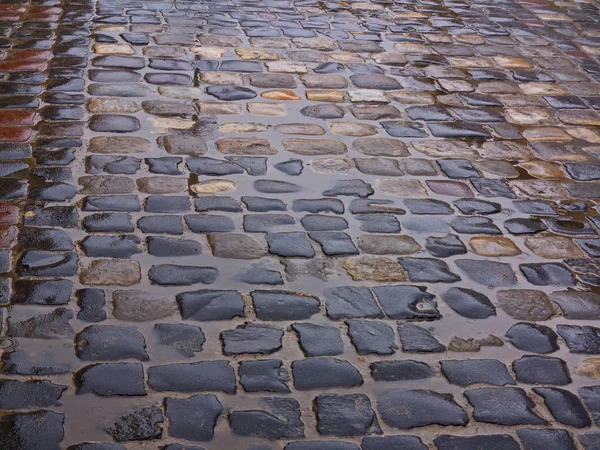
{"x": 15, "y": 134}
{"x": 9, "y": 214}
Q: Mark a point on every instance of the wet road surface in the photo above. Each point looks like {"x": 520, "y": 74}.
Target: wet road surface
{"x": 299, "y": 225}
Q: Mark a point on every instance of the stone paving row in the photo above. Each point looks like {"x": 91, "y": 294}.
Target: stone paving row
{"x": 299, "y": 225}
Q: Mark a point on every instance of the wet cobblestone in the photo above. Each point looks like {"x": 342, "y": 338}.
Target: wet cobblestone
{"x": 299, "y": 225}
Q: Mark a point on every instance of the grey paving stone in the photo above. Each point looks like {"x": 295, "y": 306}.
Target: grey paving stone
{"x": 416, "y": 339}
{"x": 565, "y": 406}
{"x": 533, "y": 338}
{"x": 209, "y": 304}
{"x": 15, "y": 394}
{"x": 423, "y": 407}
{"x": 503, "y": 406}
{"x": 407, "y": 302}
{"x": 178, "y": 275}
{"x": 264, "y": 376}
{"x": 110, "y": 343}
{"x": 490, "y": 441}
{"x": 371, "y": 337}
{"x": 186, "y": 339}
{"x": 393, "y": 443}
{"x": 541, "y": 370}
{"x": 534, "y": 439}
{"x": 290, "y": 244}
{"x": 476, "y": 371}
{"x": 318, "y": 340}
{"x": 28, "y": 431}
{"x": 252, "y": 338}
{"x": 346, "y": 415}
{"x": 469, "y": 303}
{"x": 108, "y": 379}
{"x": 193, "y": 418}
{"x": 348, "y": 302}
{"x": 200, "y": 376}
{"x": 280, "y": 419}
{"x": 323, "y": 372}
{"x": 284, "y": 305}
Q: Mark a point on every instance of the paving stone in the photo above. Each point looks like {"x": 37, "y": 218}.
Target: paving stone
{"x": 110, "y": 247}
{"x": 193, "y": 418}
{"x": 334, "y": 243}
{"x": 476, "y": 371}
{"x": 180, "y": 275}
{"x": 262, "y": 204}
{"x": 91, "y": 303}
{"x": 15, "y": 394}
{"x": 400, "y": 370}
{"x": 576, "y": 305}
{"x": 407, "y": 302}
{"x": 523, "y": 304}
{"x": 489, "y": 273}
{"x": 580, "y": 339}
{"x": 184, "y": 144}
{"x": 193, "y": 377}
{"x": 503, "y": 406}
{"x": 373, "y": 223}
{"x": 264, "y": 376}
{"x": 209, "y": 223}
{"x": 544, "y": 274}
{"x": 54, "y": 325}
{"x": 283, "y": 305}
{"x": 351, "y": 302}
{"x": 323, "y": 445}
{"x": 186, "y": 339}
{"x": 405, "y": 409}
{"x": 251, "y": 338}
{"x": 140, "y": 306}
{"x": 346, "y": 415}
{"x": 208, "y": 203}
{"x": 490, "y": 441}
{"x": 565, "y": 406}
{"x": 428, "y": 270}
{"x": 127, "y": 203}
{"x": 538, "y": 439}
{"x": 207, "y": 304}
{"x": 371, "y": 337}
{"x": 474, "y": 225}
{"x": 533, "y": 338}
{"x": 95, "y": 446}
{"x": 37, "y": 429}
{"x": 107, "y": 379}
{"x": 49, "y": 292}
{"x": 317, "y": 340}
{"x": 91, "y": 343}
{"x": 275, "y": 186}
{"x": 319, "y": 222}
{"x": 428, "y": 207}
{"x": 111, "y": 272}
{"x": 263, "y": 223}
{"x": 324, "y": 372}
{"x": 589, "y": 394}
{"x": 233, "y": 245}
{"x": 416, "y": 339}
{"x": 160, "y": 224}
{"x": 469, "y": 303}
{"x": 443, "y": 247}
{"x": 280, "y": 419}
{"x": 541, "y": 370}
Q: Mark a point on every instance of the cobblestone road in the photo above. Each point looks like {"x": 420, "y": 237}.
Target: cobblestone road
{"x": 299, "y": 225}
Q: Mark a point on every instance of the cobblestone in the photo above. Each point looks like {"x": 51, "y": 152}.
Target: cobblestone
{"x": 299, "y": 225}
